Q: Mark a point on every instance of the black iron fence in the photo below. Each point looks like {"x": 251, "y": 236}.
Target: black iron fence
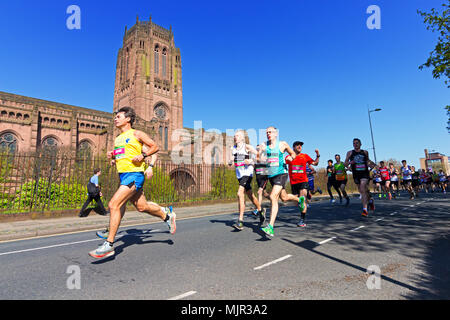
{"x": 47, "y": 182}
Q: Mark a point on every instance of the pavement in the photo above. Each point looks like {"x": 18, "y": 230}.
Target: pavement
{"x": 15, "y": 230}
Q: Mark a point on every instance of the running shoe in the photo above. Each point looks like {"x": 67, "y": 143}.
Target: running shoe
{"x": 319, "y": 190}
{"x": 171, "y": 223}
{"x": 347, "y": 201}
{"x": 365, "y": 213}
{"x": 103, "y": 251}
{"x": 239, "y": 225}
{"x": 103, "y": 234}
{"x": 389, "y": 196}
{"x": 332, "y": 201}
{"x": 301, "y": 203}
{"x": 301, "y": 223}
{"x": 255, "y": 212}
{"x": 262, "y": 216}
{"x": 371, "y": 205}
{"x": 268, "y": 230}
{"x": 379, "y": 195}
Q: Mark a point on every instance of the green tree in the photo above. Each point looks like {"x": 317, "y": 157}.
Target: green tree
{"x": 439, "y": 58}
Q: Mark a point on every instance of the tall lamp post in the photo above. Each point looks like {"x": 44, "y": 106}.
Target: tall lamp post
{"x": 371, "y": 133}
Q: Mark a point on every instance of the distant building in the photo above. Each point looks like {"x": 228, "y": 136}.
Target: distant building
{"x": 435, "y": 157}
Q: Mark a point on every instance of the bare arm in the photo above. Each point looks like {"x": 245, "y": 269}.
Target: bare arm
{"x": 316, "y": 162}
{"x": 150, "y": 146}
{"x": 370, "y": 163}
{"x": 347, "y": 159}
{"x": 284, "y": 147}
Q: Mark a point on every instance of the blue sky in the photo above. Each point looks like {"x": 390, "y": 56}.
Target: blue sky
{"x": 311, "y": 68}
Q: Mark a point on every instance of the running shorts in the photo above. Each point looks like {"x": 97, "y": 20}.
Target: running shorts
{"x": 132, "y": 178}
{"x": 279, "y": 180}
{"x": 358, "y": 177}
{"x": 338, "y": 183}
{"x": 296, "y": 187}
{"x": 246, "y": 182}
{"x": 262, "y": 181}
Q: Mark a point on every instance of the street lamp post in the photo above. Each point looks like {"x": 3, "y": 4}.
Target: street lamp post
{"x": 371, "y": 133}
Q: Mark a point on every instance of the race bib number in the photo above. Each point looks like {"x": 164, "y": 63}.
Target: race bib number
{"x": 298, "y": 169}
{"x": 119, "y": 152}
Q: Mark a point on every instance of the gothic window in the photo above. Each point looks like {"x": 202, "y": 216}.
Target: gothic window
{"x": 8, "y": 142}
{"x": 164, "y": 62}
{"x": 215, "y": 156}
{"x": 166, "y": 139}
{"x": 50, "y": 144}
{"x": 84, "y": 149}
{"x": 156, "y": 59}
{"x": 160, "y": 112}
{"x": 161, "y": 133}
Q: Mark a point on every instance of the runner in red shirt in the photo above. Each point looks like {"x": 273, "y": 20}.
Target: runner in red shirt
{"x": 298, "y": 177}
{"x": 385, "y": 179}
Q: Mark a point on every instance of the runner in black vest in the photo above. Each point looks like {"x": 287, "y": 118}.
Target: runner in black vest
{"x": 359, "y": 161}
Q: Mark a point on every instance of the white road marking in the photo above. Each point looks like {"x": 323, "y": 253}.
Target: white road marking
{"x": 360, "y": 227}
{"x": 325, "y": 241}
{"x": 67, "y": 244}
{"x": 272, "y": 262}
{"x": 47, "y": 247}
{"x": 380, "y": 219}
{"x": 184, "y": 295}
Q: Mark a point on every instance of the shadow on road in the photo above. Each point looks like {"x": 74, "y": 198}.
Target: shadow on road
{"x": 420, "y": 233}
{"x": 133, "y": 237}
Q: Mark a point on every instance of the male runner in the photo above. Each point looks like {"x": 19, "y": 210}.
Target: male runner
{"x": 278, "y": 174}
{"x": 341, "y": 177}
{"x": 407, "y": 178}
{"x": 310, "y": 172}
{"x": 298, "y": 176}
{"x": 359, "y": 161}
{"x": 331, "y": 182}
{"x": 385, "y": 180}
{"x": 149, "y": 163}
{"x": 394, "y": 179}
{"x": 442, "y": 181}
{"x": 376, "y": 181}
{"x": 129, "y": 161}
{"x": 415, "y": 180}
{"x": 262, "y": 177}
{"x": 243, "y": 162}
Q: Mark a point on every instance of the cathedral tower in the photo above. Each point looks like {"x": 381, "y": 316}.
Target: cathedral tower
{"x": 148, "y": 79}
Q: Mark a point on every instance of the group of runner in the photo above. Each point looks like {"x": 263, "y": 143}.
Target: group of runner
{"x": 410, "y": 179}
{"x": 134, "y": 150}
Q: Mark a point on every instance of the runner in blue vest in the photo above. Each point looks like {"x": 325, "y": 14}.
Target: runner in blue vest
{"x": 277, "y": 171}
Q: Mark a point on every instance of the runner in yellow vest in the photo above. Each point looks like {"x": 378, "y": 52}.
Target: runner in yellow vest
{"x": 129, "y": 158}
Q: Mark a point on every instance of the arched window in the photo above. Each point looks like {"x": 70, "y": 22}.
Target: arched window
{"x": 8, "y": 142}
{"x": 85, "y": 149}
{"x": 161, "y": 133}
{"x": 157, "y": 60}
{"x": 166, "y": 139}
{"x": 50, "y": 144}
{"x": 164, "y": 62}
{"x": 215, "y": 156}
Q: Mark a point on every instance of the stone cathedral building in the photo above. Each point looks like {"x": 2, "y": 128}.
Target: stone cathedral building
{"x": 148, "y": 79}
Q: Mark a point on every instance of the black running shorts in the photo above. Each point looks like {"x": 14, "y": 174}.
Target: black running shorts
{"x": 296, "y": 187}
{"x": 262, "y": 181}
{"x": 279, "y": 180}
{"x": 246, "y": 182}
